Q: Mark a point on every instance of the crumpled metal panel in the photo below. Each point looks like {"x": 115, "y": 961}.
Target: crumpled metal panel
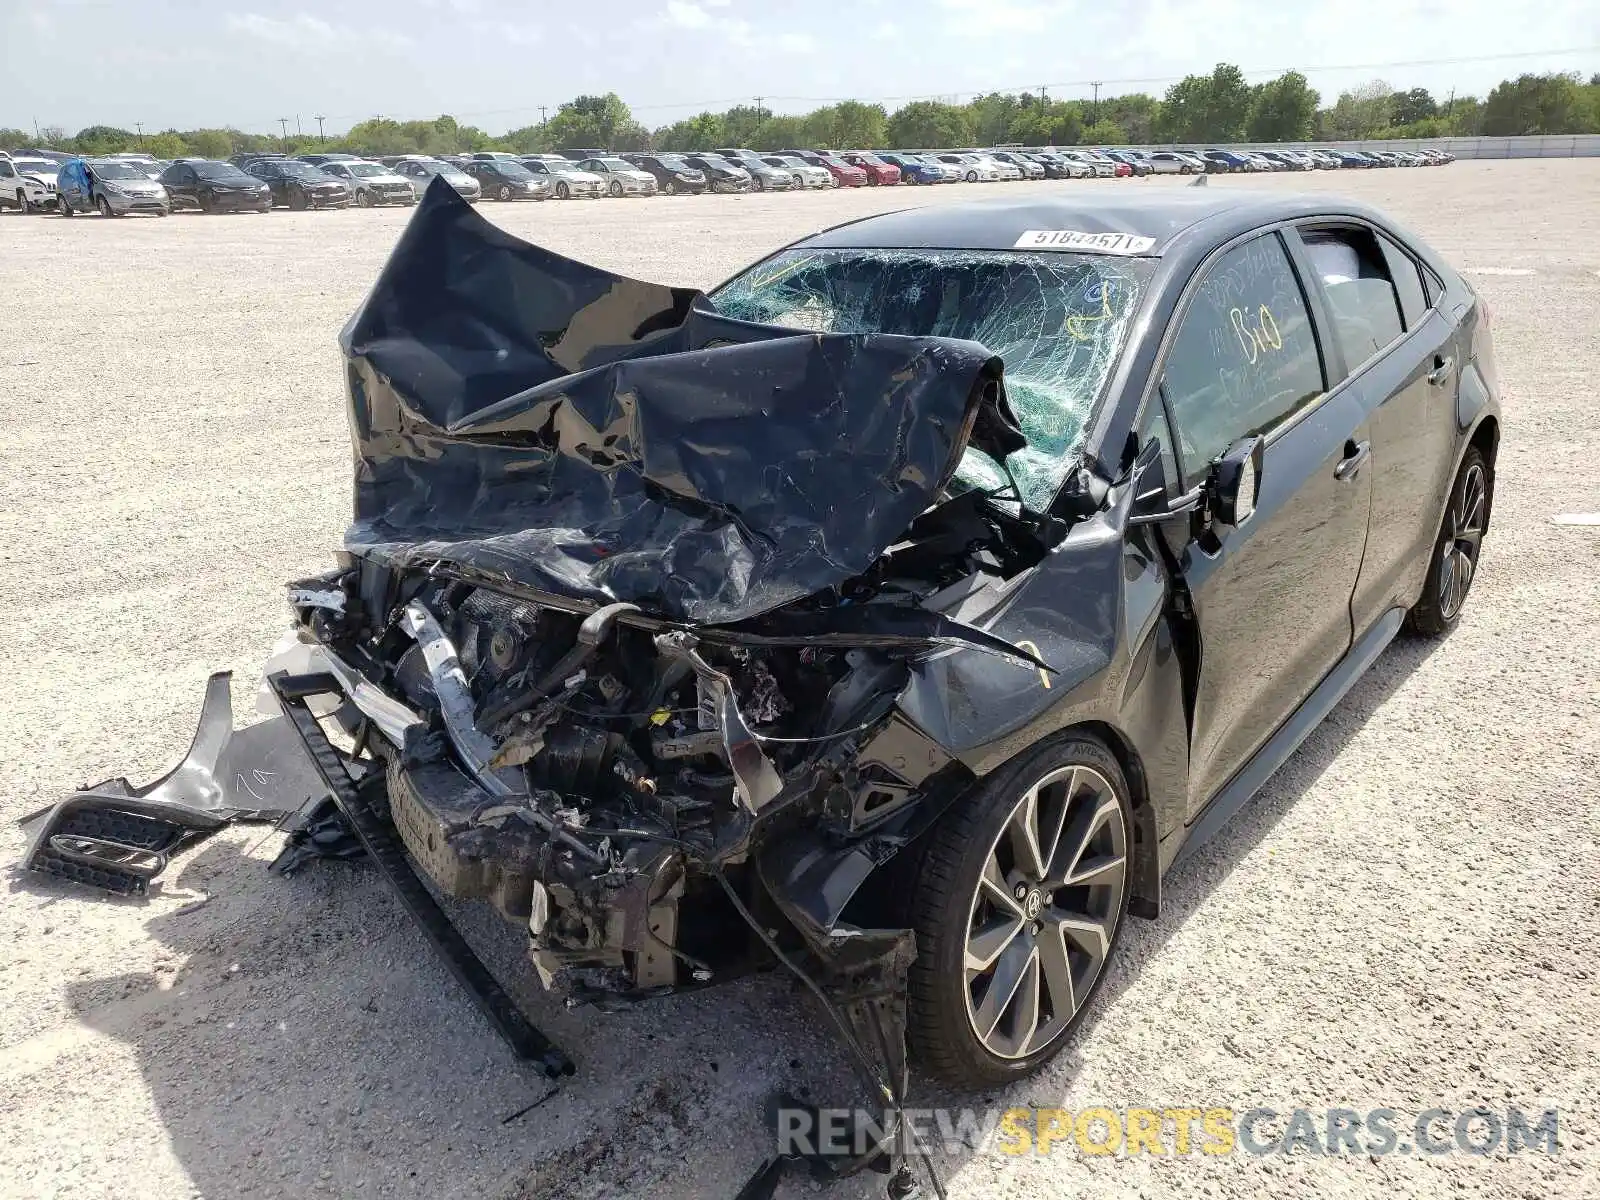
{"x": 552, "y": 424}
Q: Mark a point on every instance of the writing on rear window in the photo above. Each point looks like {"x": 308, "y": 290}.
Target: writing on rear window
{"x": 1075, "y": 239}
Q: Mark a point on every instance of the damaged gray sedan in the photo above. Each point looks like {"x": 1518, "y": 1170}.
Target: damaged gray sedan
{"x": 897, "y": 613}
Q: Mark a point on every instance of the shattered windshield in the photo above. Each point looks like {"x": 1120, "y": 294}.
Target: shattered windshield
{"x": 1057, "y": 320}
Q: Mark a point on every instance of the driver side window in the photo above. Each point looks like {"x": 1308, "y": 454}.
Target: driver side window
{"x": 1246, "y": 356}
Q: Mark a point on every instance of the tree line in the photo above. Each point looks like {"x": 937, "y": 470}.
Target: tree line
{"x": 1220, "y": 107}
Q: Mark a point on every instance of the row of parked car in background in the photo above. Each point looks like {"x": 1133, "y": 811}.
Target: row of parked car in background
{"x": 119, "y": 184}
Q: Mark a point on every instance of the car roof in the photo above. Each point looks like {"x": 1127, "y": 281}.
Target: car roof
{"x": 1164, "y": 215}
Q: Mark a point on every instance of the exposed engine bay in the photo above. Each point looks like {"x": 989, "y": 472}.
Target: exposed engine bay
{"x": 622, "y": 633}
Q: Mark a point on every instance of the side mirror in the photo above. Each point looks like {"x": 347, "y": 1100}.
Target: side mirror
{"x": 1235, "y": 482}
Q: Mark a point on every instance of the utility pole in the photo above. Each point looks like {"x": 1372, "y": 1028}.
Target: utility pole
{"x": 756, "y": 134}
{"x": 1094, "y": 117}
{"x": 542, "y": 109}
{"x": 319, "y": 121}
{"x": 284, "y": 122}
{"x": 297, "y": 131}
{"x": 1044, "y": 97}
{"x": 139, "y": 129}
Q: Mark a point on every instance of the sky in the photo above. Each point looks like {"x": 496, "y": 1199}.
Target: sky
{"x": 492, "y": 63}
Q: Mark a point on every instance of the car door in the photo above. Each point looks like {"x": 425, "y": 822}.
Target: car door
{"x": 179, "y": 182}
{"x": 9, "y": 188}
{"x": 1272, "y": 595}
{"x": 1399, "y": 359}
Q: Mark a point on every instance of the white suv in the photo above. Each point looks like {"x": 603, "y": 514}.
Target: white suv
{"x": 27, "y": 183}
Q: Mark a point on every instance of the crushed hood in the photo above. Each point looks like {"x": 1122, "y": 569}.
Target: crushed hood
{"x": 534, "y": 419}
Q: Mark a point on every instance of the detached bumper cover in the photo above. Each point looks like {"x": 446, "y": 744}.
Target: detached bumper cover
{"x": 117, "y": 837}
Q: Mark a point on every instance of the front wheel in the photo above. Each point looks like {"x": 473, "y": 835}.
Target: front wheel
{"x": 563, "y": 192}
{"x": 363, "y": 199}
{"x": 1019, "y": 899}
{"x": 1454, "y": 563}
{"x": 972, "y": 177}
{"x": 616, "y": 188}
{"x": 504, "y": 193}
{"x": 105, "y": 207}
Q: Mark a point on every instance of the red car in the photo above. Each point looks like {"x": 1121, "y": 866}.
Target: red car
{"x": 843, "y": 173}
{"x": 878, "y": 171}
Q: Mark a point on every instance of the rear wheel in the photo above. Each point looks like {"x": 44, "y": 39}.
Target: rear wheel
{"x": 1018, "y": 904}
{"x": 1454, "y": 563}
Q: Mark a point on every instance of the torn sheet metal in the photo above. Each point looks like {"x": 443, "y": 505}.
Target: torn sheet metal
{"x": 548, "y": 423}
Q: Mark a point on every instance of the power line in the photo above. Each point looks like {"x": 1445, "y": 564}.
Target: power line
{"x": 948, "y": 95}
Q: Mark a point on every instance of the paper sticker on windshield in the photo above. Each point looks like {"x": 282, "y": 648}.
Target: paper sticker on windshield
{"x": 1074, "y": 239}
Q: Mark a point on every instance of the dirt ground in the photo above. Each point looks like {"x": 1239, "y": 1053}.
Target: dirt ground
{"x": 1407, "y": 917}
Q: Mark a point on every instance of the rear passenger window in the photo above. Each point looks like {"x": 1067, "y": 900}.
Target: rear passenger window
{"x": 1245, "y": 357}
{"x": 1407, "y": 276}
{"x": 1365, "y": 309}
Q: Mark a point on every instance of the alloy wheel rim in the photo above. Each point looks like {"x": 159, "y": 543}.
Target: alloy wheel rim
{"x": 1044, "y": 912}
{"x": 1458, "y": 556}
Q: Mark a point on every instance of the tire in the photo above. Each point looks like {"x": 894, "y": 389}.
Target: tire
{"x": 105, "y": 208}
{"x": 503, "y": 193}
{"x": 615, "y": 189}
{"x": 62, "y": 206}
{"x": 1183, "y": 170}
{"x": 758, "y": 183}
{"x": 669, "y": 188}
{"x": 24, "y": 205}
{"x": 363, "y": 199}
{"x": 1453, "y": 562}
{"x": 297, "y": 201}
{"x": 563, "y": 192}
{"x": 1077, "y": 791}
{"x": 972, "y": 177}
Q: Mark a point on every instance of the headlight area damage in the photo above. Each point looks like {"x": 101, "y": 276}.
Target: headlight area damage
{"x": 619, "y": 635}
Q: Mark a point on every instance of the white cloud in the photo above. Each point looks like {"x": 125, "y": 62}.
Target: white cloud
{"x": 310, "y": 34}
{"x": 686, "y": 15}
{"x": 990, "y": 17}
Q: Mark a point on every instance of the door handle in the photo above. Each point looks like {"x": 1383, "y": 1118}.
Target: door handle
{"x": 1355, "y": 454}
{"x": 1443, "y": 364}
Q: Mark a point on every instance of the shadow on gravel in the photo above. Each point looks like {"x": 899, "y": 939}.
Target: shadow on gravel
{"x": 311, "y": 1044}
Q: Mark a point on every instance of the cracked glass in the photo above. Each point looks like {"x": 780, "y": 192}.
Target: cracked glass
{"x": 1058, "y": 321}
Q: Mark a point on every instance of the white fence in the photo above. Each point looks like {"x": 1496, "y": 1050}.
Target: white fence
{"x": 1562, "y": 145}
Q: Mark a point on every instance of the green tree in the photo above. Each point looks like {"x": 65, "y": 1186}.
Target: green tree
{"x": 1284, "y": 110}
{"x": 15, "y": 139}
{"x": 778, "y": 132}
{"x": 530, "y": 139}
{"x": 741, "y": 124}
{"x": 1135, "y": 113}
{"x": 1409, "y": 107}
{"x": 704, "y": 132}
{"x": 209, "y": 143}
{"x": 1535, "y": 104}
{"x": 991, "y": 118}
{"x": 1104, "y": 133}
{"x": 848, "y": 125}
{"x": 1360, "y": 113}
{"x": 597, "y": 121}
{"x": 166, "y": 144}
{"x": 1207, "y": 108}
{"x": 103, "y": 139}
{"x": 930, "y": 124}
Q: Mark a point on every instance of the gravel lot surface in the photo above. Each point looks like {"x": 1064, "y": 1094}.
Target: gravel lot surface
{"x": 1406, "y": 917}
